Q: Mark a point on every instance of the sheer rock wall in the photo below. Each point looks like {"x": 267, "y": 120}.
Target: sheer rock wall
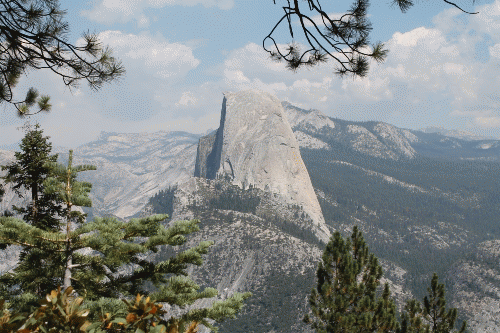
{"x": 255, "y": 145}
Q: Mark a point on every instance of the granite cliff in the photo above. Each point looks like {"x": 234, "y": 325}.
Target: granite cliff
{"x": 255, "y": 146}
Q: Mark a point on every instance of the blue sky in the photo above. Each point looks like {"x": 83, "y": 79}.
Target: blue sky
{"x": 180, "y": 55}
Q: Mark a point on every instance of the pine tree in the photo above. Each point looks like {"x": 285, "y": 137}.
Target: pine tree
{"x": 34, "y": 275}
{"x": 433, "y": 316}
{"x": 29, "y": 172}
{"x": 412, "y": 321}
{"x": 72, "y": 193}
{"x": 345, "y": 299}
{"x": 95, "y": 276}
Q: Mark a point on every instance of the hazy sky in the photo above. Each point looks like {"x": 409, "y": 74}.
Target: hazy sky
{"x": 443, "y": 68}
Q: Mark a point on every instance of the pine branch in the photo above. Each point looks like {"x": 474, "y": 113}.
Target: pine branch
{"x": 31, "y": 37}
{"x": 344, "y": 40}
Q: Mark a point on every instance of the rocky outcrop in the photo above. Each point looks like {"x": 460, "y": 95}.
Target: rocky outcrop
{"x": 133, "y": 167}
{"x": 309, "y": 118}
{"x": 255, "y": 145}
{"x": 476, "y": 287}
{"x": 206, "y": 153}
{"x": 371, "y": 138}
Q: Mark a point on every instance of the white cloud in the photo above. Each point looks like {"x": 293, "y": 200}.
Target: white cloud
{"x": 488, "y": 121}
{"x": 154, "y": 67}
{"x": 143, "y": 21}
{"x": 495, "y": 50}
{"x": 487, "y": 20}
{"x": 154, "y": 54}
{"x": 187, "y": 99}
{"x": 451, "y": 68}
{"x": 235, "y": 76}
{"x": 411, "y": 38}
{"x": 222, "y": 4}
{"x": 112, "y": 11}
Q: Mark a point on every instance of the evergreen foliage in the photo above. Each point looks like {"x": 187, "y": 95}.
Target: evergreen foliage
{"x": 35, "y": 273}
{"x": 28, "y": 172}
{"x": 234, "y": 198}
{"x": 433, "y": 316}
{"x": 345, "y": 40}
{"x": 345, "y": 299}
{"x": 73, "y": 193}
{"x": 33, "y": 32}
{"x": 114, "y": 240}
{"x": 163, "y": 201}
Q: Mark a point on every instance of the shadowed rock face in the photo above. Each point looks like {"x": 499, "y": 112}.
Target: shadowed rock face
{"x": 255, "y": 145}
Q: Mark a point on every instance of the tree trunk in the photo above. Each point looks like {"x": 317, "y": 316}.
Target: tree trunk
{"x": 69, "y": 256}
{"x": 67, "y": 272}
{"x": 34, "y": 208}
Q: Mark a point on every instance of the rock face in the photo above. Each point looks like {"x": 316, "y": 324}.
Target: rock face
{"x": 476, "y": 287}
{"x": 371, "y": 138}
{"x": 255, "y": 145}
{"x": 133, "y": 167}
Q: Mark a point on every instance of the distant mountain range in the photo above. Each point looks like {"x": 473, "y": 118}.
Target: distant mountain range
{"x": 425, "y": 200}
{"x": 464, "y": 135}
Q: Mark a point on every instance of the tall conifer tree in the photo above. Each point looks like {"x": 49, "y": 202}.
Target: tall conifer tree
{"x": 28, "y": 173}
{"x": 345, "y": 299}
{"x": 34, "y": 274}
{"x": 73, "y": 193}
{"x": 433, "y": 316}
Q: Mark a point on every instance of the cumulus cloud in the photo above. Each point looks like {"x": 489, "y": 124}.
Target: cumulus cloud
{"x": 187, "y": 99}
{"x": 152, "y": 86}
{"x": 495, "y": 51}
{"x": 488, "y": 121}
{"x": 112, "y": 11}
{"x": 153, "y": 54}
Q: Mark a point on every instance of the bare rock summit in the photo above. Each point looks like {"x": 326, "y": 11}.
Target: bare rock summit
{"x": 256, "y": 146}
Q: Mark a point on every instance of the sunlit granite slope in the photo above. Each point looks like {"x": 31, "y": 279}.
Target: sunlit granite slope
{"x": 255, "y": 145}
